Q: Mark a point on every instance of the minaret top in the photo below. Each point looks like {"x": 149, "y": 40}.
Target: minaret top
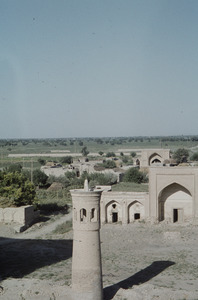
{"x": 86, "y": 186}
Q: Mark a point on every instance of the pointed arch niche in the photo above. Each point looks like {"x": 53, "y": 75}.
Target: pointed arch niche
{"x": 175, "y": 203}
{"x": 135, "y": 211}
{"x": 155, "y": 158}
{"x": 113, "y": 212}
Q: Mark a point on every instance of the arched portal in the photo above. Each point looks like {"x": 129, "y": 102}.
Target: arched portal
{"x": 155, "y": 159}
{"x": 135, "y": 211}
{"x": 175, "y": 203}
{"x": 113, "y": 212}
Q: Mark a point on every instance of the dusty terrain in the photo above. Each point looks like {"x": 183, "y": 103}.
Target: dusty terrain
{"x": 140, "y": 261}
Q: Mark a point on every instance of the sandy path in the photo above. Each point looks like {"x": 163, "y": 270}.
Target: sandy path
{"x": 46, "y": 229}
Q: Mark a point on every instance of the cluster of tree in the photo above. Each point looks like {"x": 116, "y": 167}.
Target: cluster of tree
{"x": 70, "y": 179}
{"x": 99, "y": 178}
{"x": 127, "y": 159}
{"x": 37, "y": 177}
{"x": 178, "y": 138}
{"x": 108, "y": 164}
{"x": 16, "y": 189}
{"x": 181, "y": 155}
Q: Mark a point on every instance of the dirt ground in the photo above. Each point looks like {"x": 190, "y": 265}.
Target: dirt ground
{"x": 139, "y": 261}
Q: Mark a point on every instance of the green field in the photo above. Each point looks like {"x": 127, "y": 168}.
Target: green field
{"x": 45, "y": 146}
{"x": 130, "y": 187}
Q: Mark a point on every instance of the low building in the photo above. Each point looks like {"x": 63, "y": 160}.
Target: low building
{"x": 172, "y": 197}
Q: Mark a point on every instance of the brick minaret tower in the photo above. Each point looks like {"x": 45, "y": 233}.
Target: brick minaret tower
{"x": 86, "y": 258}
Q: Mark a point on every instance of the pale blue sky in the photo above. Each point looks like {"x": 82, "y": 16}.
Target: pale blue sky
{"x": 85, "y": 68}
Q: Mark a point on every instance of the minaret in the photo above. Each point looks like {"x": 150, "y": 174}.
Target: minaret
{"x": 86, "y": 257}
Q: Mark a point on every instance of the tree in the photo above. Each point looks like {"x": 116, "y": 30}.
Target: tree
{"x": 125, "y": 159}
{"x": 110, "y": 154}
{"x": 99, "y": 178}
{"x": 100, "y": 153}
{"x": 16, "y": 189}
{"x": 66, "y": 160}
{"x": 39, "y": 178}
{"x": 15, "y": 168}
{"x": 134, "y": 175}
{"x": 42, "y": 161}
{"x": 194, "y": 156}
{"x": 108, "y": 164}
{"x": 181, "y": 155}
{"x": 84, "y": 151}
{"x": 133, "y": 153}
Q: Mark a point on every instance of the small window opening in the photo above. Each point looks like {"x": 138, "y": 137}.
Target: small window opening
{"x": 75, "y": 214}
{"x": 136, "y": 216}
{"x": 83, "y": 215}
{"x": 175, "y": 215}
{"x": 114, "y": 217}
{"x": 114, "y": 205}
{"x": 93, "y": 215}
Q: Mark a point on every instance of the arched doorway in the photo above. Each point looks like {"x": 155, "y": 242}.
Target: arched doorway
{"x": 155, "y": 159}
{"x": 175, "y": 203}
{"x": 113, "y": 212}
{"x": 135, "y": 211}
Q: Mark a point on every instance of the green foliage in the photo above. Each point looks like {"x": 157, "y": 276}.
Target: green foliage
{"x": 133, "y": 154}
{"x": 70, "y": 175}
{"x": 63, "y": 228}
{"x": 61, "y": 179}
{"x": 129, "y": 187}
{"x": 108, "y": 164}
{"x": 100, "y": 153}
{"x": 134, "y": 175}
{"x": 14, "y": 168}
{"x": 194, "y": 157}
{"x": 100, "y": 178}
{"x": 121, "y": 154}
{"x": 84, "y": 151}
{"x": 66, "y": 160}
{"x": 125, "y": 159}
{"x": 39, "y": 178}
{"x": 16, "y": 189}
{"x": 181, "y": 155}
{"x": 110, "y": 154}
{"x": 42, "y": 161}
{"x": 27, "y": 174}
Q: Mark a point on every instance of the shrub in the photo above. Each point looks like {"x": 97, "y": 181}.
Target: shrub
{"x": 101, "y": 179}
{"x": 42, "y": 161}
{"x": 133, "y": 154}
{"x": 66, "y": 160}
{"x": 181, "y": 155}
{"x": 134, "y": 175}
{"x": 110, "y": 154}
{"x": 125, "y": 159}
{"x": 194, "y": 156}
{"x": 61, "y": 179}
{"x": 108, "y": 164}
